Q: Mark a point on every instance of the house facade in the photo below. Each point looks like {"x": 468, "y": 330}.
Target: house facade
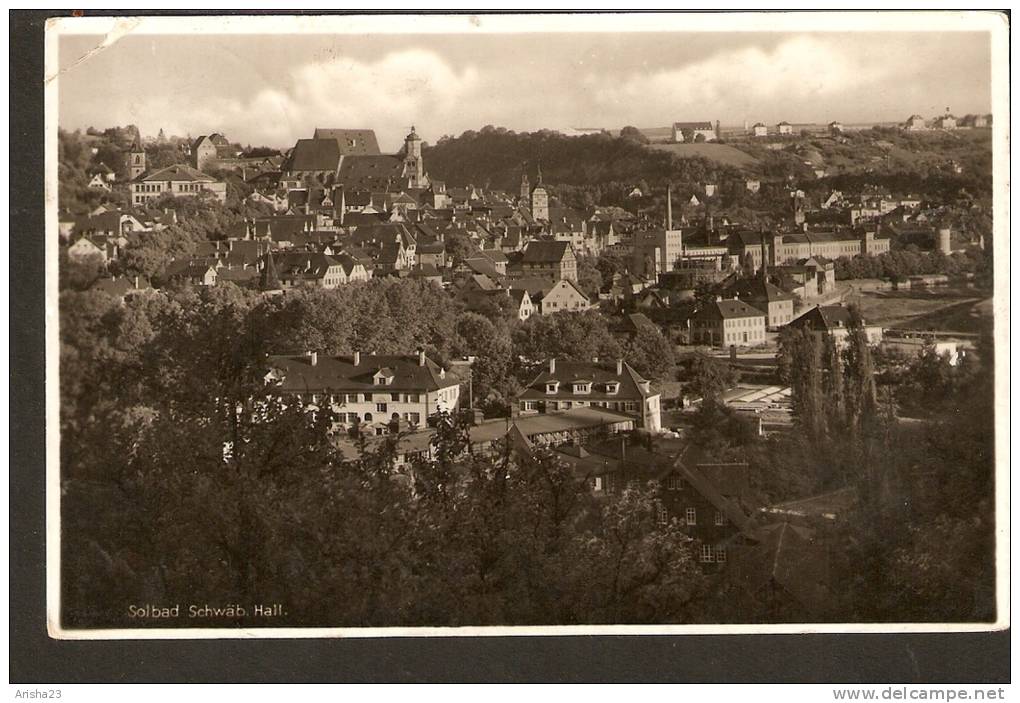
{"x": 313, "y": 270}
{"x": 177, "y": 180}
{"x": 777, "y": 304}
{"x": 726, "y": 323}
{"x": 656, "y": 251}
{"x": 564, "y": 295}
{"x": 550, "y": 260}
{"x": 693, "y": 131}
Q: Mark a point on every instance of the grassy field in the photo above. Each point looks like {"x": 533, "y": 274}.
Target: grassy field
{"x": 943, "y": 309}
{"x": 722, "y": 153}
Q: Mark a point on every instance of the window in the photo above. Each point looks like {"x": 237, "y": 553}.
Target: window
{"x": 395, "y": 397}
{"x": 368, "y": 417}
{"x": 414, "y": 418}
{"x": 412, "y": 397}
{"x": 674, "y": 482}
{"x": 599, "y": 484}
{"x": 692, "y": 516}
{"x": 707, "y": 553}
{"x": 720, "y": 555}
{"x": 660, "y": 513}
{"x": 720, "y": 519}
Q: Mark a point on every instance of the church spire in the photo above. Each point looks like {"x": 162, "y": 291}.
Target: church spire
{"x": 270, "y": 280}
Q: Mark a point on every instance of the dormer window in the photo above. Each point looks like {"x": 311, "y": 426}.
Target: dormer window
{"x": 613, "y": 387}
{"x": 582, "y": 387}
{"x": 383, "y": 377}
{"x": 552, "y": 386}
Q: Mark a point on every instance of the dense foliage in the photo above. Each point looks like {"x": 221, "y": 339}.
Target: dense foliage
{"x": 185, "y": 481}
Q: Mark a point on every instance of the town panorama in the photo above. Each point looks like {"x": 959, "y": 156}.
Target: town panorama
{"x": 710, "y": 371}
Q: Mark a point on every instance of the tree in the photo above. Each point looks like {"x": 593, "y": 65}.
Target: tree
{"x": 589, "y": 277}
{"x": 491, "y": 346}
{"x": 800, "y": 355}
{"x": 565, "y": 335}
{"x": 650, "y": 353}
{"x": 80, "y": 273}
{"x": 718, "y": 428}
{"x": 633, "y": 134}
{"x": 709, "y": 378}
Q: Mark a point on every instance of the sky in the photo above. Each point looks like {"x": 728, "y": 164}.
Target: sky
{"x": 273, "y": 89}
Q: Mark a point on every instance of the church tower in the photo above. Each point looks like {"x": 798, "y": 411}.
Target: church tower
{"x": 135, "y": 161}
{"x": 540, "y": 199}
{"x": 414, "y": 168}
{"x": 525, "y": 185}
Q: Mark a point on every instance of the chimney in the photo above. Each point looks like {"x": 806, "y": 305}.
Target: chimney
{"x": 619, "y": 367}
{"x": 669, "y": 206}
{"x": 552, "y": 365}
{"x": 314, "y": 357}
{"x": 357, "y": 358}
{"x": 421, "y": 356}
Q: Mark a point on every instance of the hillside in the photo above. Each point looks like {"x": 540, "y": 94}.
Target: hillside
{"x": 495, "y": 158}
{"x": 720, "y": 153}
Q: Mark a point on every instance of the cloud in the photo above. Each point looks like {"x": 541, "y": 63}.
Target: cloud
{"x": 745, "y": 82}
{"x": 389, "y": 95}
{"x": 272, "y": 92}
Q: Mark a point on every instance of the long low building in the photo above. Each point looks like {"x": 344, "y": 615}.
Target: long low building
{"x": 523, "y": 433}
{"x": 178, "y": 180}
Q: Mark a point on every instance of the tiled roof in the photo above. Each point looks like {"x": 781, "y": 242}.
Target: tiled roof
{"x": 303, "y": 264}
{"x": 755, "y": 289}
{"x": 824, "y": 318}
{"x": 371, "y": 172}
{"x": 599, "y": 374}
{"x": 727, "y": 310}
{"x": 177, "y": 172}
{"x": 350, "y": 141}
{"x": 692, "y": 125}
{"x": 338, "y": 373}
{"x": 534, "y": 285}
{"x": 314, "y": 155}
{"x": 545, "y": 252}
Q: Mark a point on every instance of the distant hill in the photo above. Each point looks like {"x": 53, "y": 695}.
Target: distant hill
{"x": 494, "y": 157}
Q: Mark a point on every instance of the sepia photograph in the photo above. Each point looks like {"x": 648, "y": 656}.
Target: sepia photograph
{"x": 393, "y": 325}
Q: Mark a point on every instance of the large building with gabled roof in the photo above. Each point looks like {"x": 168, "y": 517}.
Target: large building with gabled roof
{"x": 726, "y": 323}
{"x": 370, "y": 391}
{"x": 548, "y": 259}
{"x": 615, "y": 386}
